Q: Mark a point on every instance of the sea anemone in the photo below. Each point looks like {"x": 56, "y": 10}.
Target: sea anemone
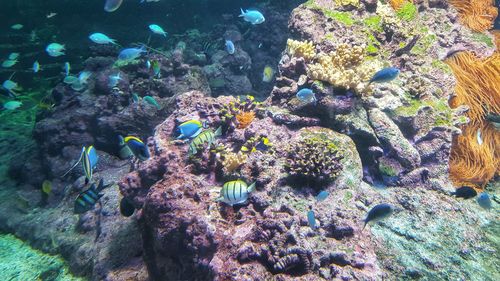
{"x": 474, "y": 160}
{"x": 477, "y": 15}
{"x": 245, "y": 119}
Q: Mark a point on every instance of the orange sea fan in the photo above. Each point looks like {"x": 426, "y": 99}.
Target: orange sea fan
{"x": 478, "y": 15}
{"x": 475, "y": 164}
{"x": 478, "y": 83}
{"x": 245, "y": 119}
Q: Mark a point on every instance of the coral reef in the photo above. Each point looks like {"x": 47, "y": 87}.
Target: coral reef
{"x": 300, "y": 49}
{"x": 232, "y": 161}
{"x": 478, "y": 15}
{"x": 314, "y": 157}
{"x": 346, "y": 68}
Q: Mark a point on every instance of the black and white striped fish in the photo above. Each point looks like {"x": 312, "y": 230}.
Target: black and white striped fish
{"x": 87, "y": 199}
{"x": 235, "y": 192}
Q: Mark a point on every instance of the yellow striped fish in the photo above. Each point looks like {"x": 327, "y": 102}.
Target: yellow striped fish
{"x": 207, "y": 136}
{"x": 235, "y": 192}
{"x": 89, "y": 159}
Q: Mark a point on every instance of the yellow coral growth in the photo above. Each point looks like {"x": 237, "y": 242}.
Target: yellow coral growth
{"x": 397, "y": 4}
{"x": 233, "y": 161}
{"x": 245, "y": 119}
{"x": 354, "y": 3}
{"x": 345, "y": 68}
{"x": 475, "y": 164}
{"x": 472, "y": 163}
{"x": 300, "y": 49}
{"x": 478, "y": 15}
{"x": 478, "y": 83}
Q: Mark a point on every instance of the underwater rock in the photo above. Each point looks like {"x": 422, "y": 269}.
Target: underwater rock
{"x": 393, "y": 140}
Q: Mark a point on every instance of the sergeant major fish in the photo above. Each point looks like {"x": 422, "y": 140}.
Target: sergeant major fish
{"x": 235, "y": 192}
{"x": 87, "y": 199}
{"x": 208, "y": 136}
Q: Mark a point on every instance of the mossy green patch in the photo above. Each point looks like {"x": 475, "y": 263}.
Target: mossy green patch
{"x": 407, "y": 12}
{"x": 347, "y": 196}
{"x": 374, "y": 23}
{"x": 443, "y": 112}
{"x": 441, "y": 66}
{"x": 19, "y": 261}
{"x": 424, "y": 44}
{"x": 483, "y": 38}
{"x": 387, "y": 170}
{"x": 342, "y": 17}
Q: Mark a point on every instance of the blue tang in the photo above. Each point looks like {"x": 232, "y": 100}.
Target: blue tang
{"x": 230, "y": 47}
{"x": 131, "y": 53}
{"x": 138, "y": 148}
{"x": 190, "y": 129}
{"x": 385, "y": 75}
{"x": 252, "y": 16}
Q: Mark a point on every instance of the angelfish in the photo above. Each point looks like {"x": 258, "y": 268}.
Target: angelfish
{"x": 89, "y": 159}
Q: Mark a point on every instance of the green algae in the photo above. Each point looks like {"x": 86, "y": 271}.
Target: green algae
{"x": 342, "y": 17}
{"x": 443, "y": 113}
{"x": 424, "y": 44}
{"x": 483, "y": 38}
{"x": 19, "y": 261}
{"x": 374, "y": 23}
{"x": 407, "y": 12}
{"x": 387, "y": 170}
{"x": 441, "y": 66}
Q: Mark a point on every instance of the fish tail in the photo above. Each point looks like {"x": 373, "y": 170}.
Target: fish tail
{"x": 218, "y": 132}
{"x": 251, "y": 188}
{"x": 242, "y": 13}
{"x": 364, "y": 226}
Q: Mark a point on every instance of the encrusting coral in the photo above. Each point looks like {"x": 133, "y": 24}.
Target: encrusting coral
{"x": 300, "y": 49}
{"x": 474, "y": 159}
{"x": 314, "y": 157}
{"x": 478, "y": 15}
{"x": 346, "y": 68}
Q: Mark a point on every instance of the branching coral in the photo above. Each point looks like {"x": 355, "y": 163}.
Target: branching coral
{"x": 314, "y": 157}
{"x": 300, "y": 49}
{"x": 472, "y": 163}
{"x": 345, "y": 68}
{"x": 478, "y": 15}
{"x": 232, "y": 161}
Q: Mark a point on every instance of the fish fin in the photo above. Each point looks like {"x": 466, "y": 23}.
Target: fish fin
{"x": 218, "y": 132}
{"x": 219, "y": 199}
{"x": 364, "y": 226}
{"x": 197, "y": 133}
{"x": 74, "y": 165}
{"x": 242, "y": 13}
{"x": 180, "y": 137}
{"x": 251, "y": 188}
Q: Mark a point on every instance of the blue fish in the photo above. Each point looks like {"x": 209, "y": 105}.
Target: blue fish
{"x": 114, "y": 80}
{"x": 484, "y": 200}
{"x": 378, "y": 212}
{"x": 385, "y": 75}
{"x": 252, "y": 16}
{"x": 466, "y": 192}
{"x": 190, "y": 129}
{"x": 131, "y": 53}
{"x": 230, "y": 47}
{"x": 311, "y": 219}
{"x": 306, "y": 95}
{"x": 87, "y": 199}
{"x": 36, "y": 67}
{"x": 322, "y": 195}
{"x": 138, "y": 148}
